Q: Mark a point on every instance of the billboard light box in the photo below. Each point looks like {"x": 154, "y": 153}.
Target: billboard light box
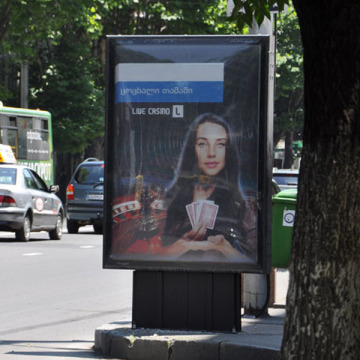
{"x": 187, "y": 170}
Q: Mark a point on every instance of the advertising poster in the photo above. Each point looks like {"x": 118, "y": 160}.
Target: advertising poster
{"x": 186, "y": 142}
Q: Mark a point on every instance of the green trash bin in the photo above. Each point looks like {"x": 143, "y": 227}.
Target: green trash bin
{"x": 283, "y": 216}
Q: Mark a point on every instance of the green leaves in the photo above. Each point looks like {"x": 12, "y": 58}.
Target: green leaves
{"x": 247, "y": 11}
{"x": 63, "y": 42}
{"x": 68, "y": 91}
{"x": 289, "y": 85}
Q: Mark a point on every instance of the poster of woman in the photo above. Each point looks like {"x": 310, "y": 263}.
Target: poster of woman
{"x": 187, "y": 136}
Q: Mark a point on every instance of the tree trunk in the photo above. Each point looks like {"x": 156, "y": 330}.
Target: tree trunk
{"x": 289, "y": 155}
{"x": 63, "y": 172}
{"x": 323, "y": 304}
{"x": 95, "y": 149}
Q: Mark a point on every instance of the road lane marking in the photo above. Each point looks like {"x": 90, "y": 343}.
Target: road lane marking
{"x": 32, "y": 254}
{"x": 87, "y": 247}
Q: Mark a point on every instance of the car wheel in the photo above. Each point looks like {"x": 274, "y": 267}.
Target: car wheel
{"x": 23, "y": 234}
{"x": 57, "y": 232}
{"x": 98, "y": 228}
{"x": 72, "y": 226}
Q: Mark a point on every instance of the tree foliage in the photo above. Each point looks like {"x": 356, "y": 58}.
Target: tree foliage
{"x": 289, "y": 94}
{"x": 69, "y": 92}
{"x": 64, "y": 44}
{"x": 53, "y": 38}
{"x": 164, "y": 17}
{"x": 289, "y": 85}
{"x": 288, "y": 107}
{"x": 246, "y": 11}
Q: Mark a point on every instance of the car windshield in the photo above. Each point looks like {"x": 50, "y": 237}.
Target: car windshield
{"x": 286, "y": 179}
{"x": 7, "y": 176}
{"x": 90, "y": 174}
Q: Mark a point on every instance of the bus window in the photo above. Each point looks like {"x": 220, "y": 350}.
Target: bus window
{"x": 45, "y": 125}
{"x": 9, "y": 137}
{"x": 12, "y": 121}
{"x": 37, "y": 123}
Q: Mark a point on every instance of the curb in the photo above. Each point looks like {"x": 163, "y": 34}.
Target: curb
{"x": 157, "y": 344}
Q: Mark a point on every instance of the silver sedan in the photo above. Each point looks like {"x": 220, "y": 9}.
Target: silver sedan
{"x": 27, "y": 204}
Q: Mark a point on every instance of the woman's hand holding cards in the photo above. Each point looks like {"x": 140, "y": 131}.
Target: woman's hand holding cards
{"x": 195, "y": 234}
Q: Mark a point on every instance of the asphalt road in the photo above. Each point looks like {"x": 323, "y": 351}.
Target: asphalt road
{"x": 54, "y": 294}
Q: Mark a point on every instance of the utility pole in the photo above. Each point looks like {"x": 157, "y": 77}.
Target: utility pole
{"x": 24, "y": 85}
{"x": 257, "y": 286}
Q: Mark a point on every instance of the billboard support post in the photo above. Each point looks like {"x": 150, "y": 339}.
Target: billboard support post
{"x": 186, "y": 301}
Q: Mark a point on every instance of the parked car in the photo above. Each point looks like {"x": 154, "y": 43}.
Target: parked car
{"x": 85, "y": 196}
{"x": 27, "y": 204}
{"x": 286, "y": 178}
{"x": 274, "y": 187}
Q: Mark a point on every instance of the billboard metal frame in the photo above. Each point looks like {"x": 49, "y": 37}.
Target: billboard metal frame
{"x": 130, "y": 52}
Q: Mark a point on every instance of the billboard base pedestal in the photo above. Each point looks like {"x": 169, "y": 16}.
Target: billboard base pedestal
{"x": 187, "y": 300}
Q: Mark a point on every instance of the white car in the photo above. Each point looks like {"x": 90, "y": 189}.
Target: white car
{"x": 27, "y": 204}
{"x": 286, "y": 178}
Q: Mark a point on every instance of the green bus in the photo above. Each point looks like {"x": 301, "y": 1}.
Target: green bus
{"x": 29, "y": 133}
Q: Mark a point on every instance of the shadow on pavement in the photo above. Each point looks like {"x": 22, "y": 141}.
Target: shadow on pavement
{"x": 48, "y": 349}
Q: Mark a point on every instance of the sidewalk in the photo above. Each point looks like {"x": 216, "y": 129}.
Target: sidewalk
{"x": 260, "y": 339}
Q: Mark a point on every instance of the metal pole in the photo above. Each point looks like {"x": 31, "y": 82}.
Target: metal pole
{"x": 24, "y": 85}
{"x": 257, "y": 286}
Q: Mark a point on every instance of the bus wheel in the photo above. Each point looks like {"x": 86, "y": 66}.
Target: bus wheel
{"x": 24, "y": 233}
{"x": 72, "y": 226}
